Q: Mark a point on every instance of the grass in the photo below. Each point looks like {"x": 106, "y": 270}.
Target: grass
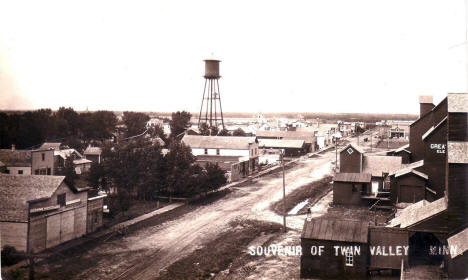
{"x": 227, "y": 251}
{"x": 313, "y": 191}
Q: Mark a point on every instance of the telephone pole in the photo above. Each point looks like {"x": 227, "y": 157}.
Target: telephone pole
{"x": 284, "y": 192}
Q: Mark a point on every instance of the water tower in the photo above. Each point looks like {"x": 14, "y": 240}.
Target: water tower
{"x": 211, "y": 111}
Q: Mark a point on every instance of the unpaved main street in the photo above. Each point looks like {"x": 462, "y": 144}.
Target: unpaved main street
{"x": 144, "y": 253}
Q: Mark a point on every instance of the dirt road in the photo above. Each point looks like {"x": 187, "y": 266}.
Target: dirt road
{"x": 144, "y": 253}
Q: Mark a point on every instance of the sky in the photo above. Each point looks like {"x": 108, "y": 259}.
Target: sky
{"x": 277, "y": 56}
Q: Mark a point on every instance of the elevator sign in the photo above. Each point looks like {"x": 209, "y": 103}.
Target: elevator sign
{"x": 439, "y": 148}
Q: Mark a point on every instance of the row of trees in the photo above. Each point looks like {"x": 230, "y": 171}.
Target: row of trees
{"x": 32, "y": 128}
{"x": 138, "y": 168}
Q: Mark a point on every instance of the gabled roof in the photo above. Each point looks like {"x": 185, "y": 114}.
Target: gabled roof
{"x": 355, "y": 147}
{"x": 411, "y": 171}
{"x": 19, "y": 158}
{"x": 419, "y": 214}
{"x": 93, "y": 151}
{"x": 433, "y": 128}
{"x": 459, "y": 241}
{"x": 408, "y": 167}
{"x": 219, "y": 142}
{"x": 352, "y": 177}
{"x": 66, "y": 153}
{"x": 335, "y": 229}
{"x": 50, "y": 145}
{"x": 283, "y": 143}
{"x": 17, "y": 190}
{"x": 376, "y": 165}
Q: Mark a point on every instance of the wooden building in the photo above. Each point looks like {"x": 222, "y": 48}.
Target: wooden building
{"x": 402, "y": 152}
{"x": 15, "y": 162}
{"x": 329, "y": 261}
{"x": 93, "y": 154}
{"x": 348, "y": 188}
{"x": 309, "y": 137}
{"x": 351, "y": 158}
{"x": 39, "y": 212}
{"x": 410, "y": 186}
{"x": 290, "y": 147}
{"x": 240, "y": 153}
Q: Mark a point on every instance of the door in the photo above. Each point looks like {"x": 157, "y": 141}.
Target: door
{"x": 375, "y": 188}
{"x": 67, "y": 226}
{"x": 53, "y": 230}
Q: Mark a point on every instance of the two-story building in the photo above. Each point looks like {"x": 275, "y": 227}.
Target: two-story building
{"x": 236, "y": 154}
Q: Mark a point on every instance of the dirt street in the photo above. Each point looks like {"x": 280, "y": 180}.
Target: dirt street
{"x": 144, "y": 253}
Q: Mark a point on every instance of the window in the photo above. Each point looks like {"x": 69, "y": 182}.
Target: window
{"x": 20, "y": 172}
{"x": 7, "y": 171}
{"x": 61, "y": 198}
{"x": 217, "y": 152}
{"x": 375, "y": 187}
{"x": 206, "y": 151}
{"x": 96, "y": 216}
{"x": 48, "y": 171}
{"x": 43, "y": 156}
{"x": 36, "y": 172}
{"x": 349, "y": 258}
{"x": 350, "y": 151}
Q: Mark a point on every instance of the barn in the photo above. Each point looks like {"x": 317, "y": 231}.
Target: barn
{"x": 334, "y": 248}
{"x": 351, "y": 159}
{"x": 40, "y": 211}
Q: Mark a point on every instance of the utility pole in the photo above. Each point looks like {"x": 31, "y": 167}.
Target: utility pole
{"x": 284, "y": 193}
{"x": 336, "y": 154}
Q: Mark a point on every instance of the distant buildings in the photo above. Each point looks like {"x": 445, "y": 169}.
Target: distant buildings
{"x": 15, "y": 162}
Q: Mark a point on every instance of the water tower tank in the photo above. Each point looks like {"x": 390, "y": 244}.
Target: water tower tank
{"x": 212, "y": 69}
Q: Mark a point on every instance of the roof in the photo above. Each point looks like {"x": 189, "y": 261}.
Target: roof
{"x": 408, "y": 167}
{"x": 283, "y": 143}
{"x": 457, "y": 102}
{"x": 93, "y": 151}
{"x": 218, "y": 142}
{"x": 334, "y": 229}
{"x": 405, "y": 171}
{"x": 17, "y": 190}
{"x": 425, "y": 99}
{"x": 404, "y": 214}
{"x": 352, "y": 177}
{"x": 357, "y": 148}
{"x": 402, "y": 148}
{"x": 376, "y": 165}
{"x": 456, "y": 152}
{"x": 65, "y": 153}
{"x": 424, "y": 212}
{"x": 50, "y": 145}
{"x": 458, "y": 241}
{"x": 81, "y": 161}
{"x": 433, "y": 128}
{"x": 15, "y": 157}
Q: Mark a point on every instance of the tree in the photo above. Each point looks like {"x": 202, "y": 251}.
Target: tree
{"x": 239, "y": 132}
{"x": 215, "y": 176}
{"x": 224, "y": 132}
{"x": 179, "y": 123}
{"x": 68, "y": 171}
{"x": 135, "y": 123}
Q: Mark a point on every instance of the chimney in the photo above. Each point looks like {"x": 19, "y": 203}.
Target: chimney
{"x": 425, "y": 104}
{"x": 13, "y": 147}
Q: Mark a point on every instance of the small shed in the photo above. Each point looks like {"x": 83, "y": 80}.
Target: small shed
{"x": 347, "y": 187}
{"x": 290, "y": 147}
{"x": 334, "y": 248}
